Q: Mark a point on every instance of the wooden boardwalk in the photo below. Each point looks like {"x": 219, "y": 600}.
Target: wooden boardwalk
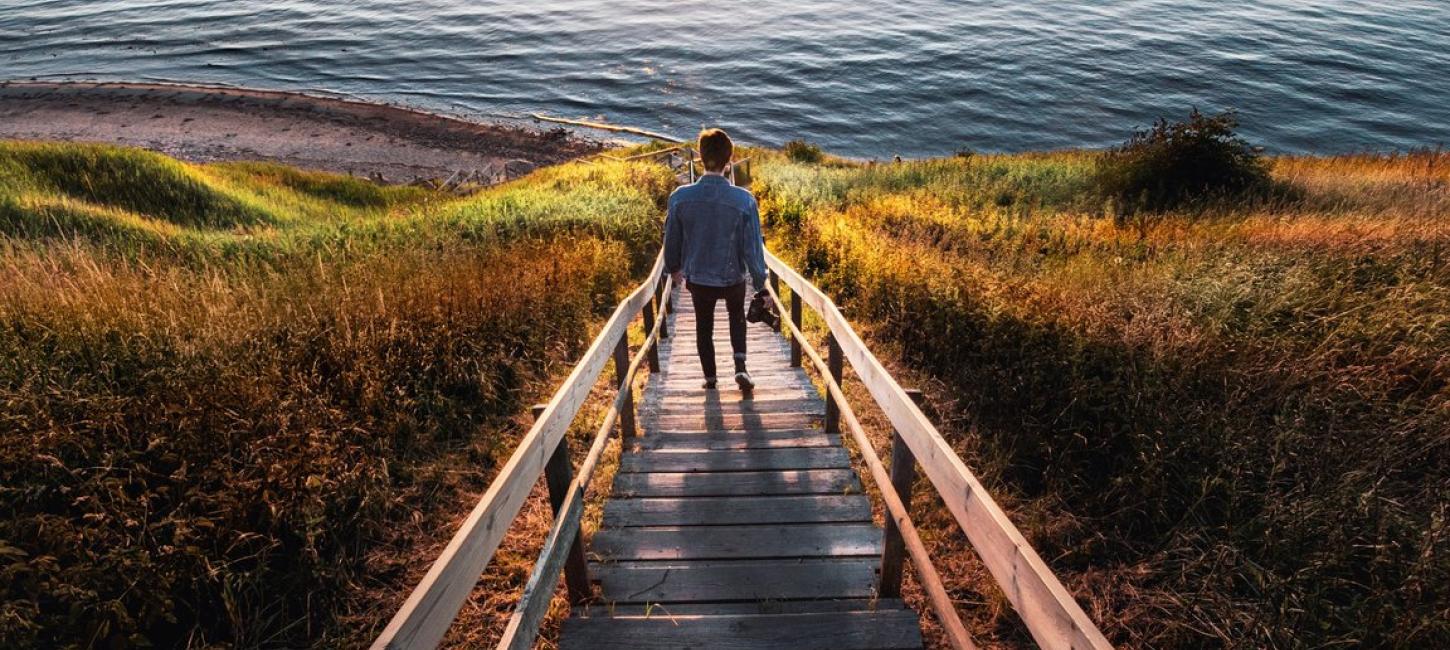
{"x": 735, "y": 520}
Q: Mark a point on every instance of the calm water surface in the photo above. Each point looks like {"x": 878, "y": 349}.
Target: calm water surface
{"x": 864, "y": 78}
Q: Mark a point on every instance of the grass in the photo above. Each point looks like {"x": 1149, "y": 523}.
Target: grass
{"x": 239, "y": 402}
{"x": 236, "y": 396}
{"x": 1223, "y": 426}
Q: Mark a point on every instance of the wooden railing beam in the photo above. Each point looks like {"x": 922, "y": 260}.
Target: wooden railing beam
{"x": 429, "y": 610}
{"x": 1050, "y": 613}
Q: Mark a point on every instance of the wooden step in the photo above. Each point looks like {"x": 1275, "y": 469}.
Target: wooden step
{"x": 655, "y": 610}
{"x": 895, "y": 629}
{"x": 737, "y": 422}
{"x": 713, "y": 511}
{"x": 724, "y": 484}
{"x": 734, "y": 460}
{"x": 734, "y": 542}
{"x": 736, "y": 580}
{"x": 709, "y": 440}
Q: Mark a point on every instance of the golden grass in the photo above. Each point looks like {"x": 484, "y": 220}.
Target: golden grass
{"x": 1223, "y": 427}
{"x": 252, "y": 431}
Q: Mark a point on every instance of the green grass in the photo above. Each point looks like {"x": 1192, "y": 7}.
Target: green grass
{"x": 235, "y": 398}
{"x": 1223, "y": 427}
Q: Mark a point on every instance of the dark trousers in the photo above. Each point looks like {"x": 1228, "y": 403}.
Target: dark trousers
{"x": 704, "y": 299}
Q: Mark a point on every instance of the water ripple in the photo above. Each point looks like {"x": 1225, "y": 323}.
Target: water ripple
{"x": 874, "y": 78}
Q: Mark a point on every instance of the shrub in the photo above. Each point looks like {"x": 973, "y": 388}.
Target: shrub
{"x": 803, "y": 152}
{"x": 1176, "y": 163}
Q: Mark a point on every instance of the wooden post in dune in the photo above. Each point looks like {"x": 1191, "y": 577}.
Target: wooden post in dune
{"x": 621, "y": 374}
{"x": 903, "y": 475}
{"x": 834, "y": 360}
{"x": 559, "y": 475}
{"x": 649, "y": 326}
{"x": 775, "y": 286}
{"x": 795, "y": 319}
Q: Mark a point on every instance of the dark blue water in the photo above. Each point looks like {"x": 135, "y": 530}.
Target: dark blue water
{"x": 863, "y": 78}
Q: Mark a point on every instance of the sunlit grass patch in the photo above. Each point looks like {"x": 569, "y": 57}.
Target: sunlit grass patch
{"x": 1238, "y": 408}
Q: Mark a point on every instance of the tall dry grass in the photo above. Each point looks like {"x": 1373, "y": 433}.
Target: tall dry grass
{"x": 1225, "y": 427}
{"x": 212, "y": 432}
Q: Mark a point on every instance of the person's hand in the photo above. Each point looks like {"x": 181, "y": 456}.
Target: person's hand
{"x": 678, "y": 277}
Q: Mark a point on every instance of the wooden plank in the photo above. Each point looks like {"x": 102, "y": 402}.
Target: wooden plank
{"x": 735, "y": 542}
{"x": 703, "y": 580}
{"x": 761, "y": 393}
{"x": 1053, "y": 617}
{"x": 662, "y": 610}
{"x": 737, "y": 422}
{"x": 721, "y": 484}
{"x": 734, "y": 460}
{"x": 883, "y": 630}
{"x": 707, "y": 440}
{"x": 713, "y": 511}
{"x": 429, "y": 610}
{"x": 706, "y": 405}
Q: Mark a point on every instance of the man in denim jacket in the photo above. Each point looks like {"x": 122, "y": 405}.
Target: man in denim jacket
{"x": 713, "y": 242}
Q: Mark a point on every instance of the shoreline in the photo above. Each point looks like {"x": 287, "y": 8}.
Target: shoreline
{"x": 207, "y": 123}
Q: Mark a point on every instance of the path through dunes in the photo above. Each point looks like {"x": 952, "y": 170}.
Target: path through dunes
{"x": 735, "y": 520}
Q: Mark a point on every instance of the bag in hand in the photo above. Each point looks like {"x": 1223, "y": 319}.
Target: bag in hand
{"x": 762, "y": 310}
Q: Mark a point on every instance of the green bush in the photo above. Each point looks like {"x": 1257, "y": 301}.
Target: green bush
{"x": 803, "y": 152}
{"x": 1174, "y": 164}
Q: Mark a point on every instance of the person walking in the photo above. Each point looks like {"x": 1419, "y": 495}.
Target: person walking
{"x": 713, "y": 244}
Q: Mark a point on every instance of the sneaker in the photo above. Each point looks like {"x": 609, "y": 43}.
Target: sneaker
{"x": 709, "y": 383}
{"x": 743, "y": 380}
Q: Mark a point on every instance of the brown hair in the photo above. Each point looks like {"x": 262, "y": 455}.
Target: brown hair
{"x": 715, "y": 149}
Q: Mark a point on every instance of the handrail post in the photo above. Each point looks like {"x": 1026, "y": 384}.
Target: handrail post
{"x": 795, "y": 319}
{"x": 775, "y": 286}
{"x": 621, "y": 376}
{"x": 559, "y": 476}
{"x": 834, "y": 362}
{"x": 893, "y": 547}
{"x": 649, "y": 327}
{"x": 663, "y": 298}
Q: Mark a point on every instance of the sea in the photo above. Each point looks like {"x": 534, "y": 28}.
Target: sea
{"x": 867, "y": 79}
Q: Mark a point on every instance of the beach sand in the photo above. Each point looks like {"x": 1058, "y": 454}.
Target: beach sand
{"x": 208, "y": 124}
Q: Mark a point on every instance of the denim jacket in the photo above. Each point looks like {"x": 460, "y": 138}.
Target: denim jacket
{"x": 712, "y": 233}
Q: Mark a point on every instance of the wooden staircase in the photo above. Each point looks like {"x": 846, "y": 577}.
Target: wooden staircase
{"x": 735, "y": 520}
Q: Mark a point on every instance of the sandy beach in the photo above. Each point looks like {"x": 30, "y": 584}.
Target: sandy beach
{"x": 208, "y": 124}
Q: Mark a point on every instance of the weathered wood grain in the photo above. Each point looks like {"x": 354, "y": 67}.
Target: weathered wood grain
{"x": 696, "y": 581}
{"x": 751, "y": 422}
{"x": 657, "y": 610}
{"x": 734, "y": 542}
{"x": 722, "y": 484}
{"x": 734, "y": 460}
{"x": 715, "y": 511}
{"x": 882, "y": 630}
{"x": 706, "y": 440}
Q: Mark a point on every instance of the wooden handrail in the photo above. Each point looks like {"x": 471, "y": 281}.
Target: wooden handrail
{"x": 931, "y": 582}
{"x": 430, "y": 609}
{"x": 523, "y": 626}
{"x": 1051, "y": 615}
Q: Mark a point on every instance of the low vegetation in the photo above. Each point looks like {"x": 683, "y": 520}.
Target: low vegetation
{"x": 1224, "y": 426}
{"x": 226, "y": 389}
{"x": 1175, "y": 164}
{"x": 234, "y": 398}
